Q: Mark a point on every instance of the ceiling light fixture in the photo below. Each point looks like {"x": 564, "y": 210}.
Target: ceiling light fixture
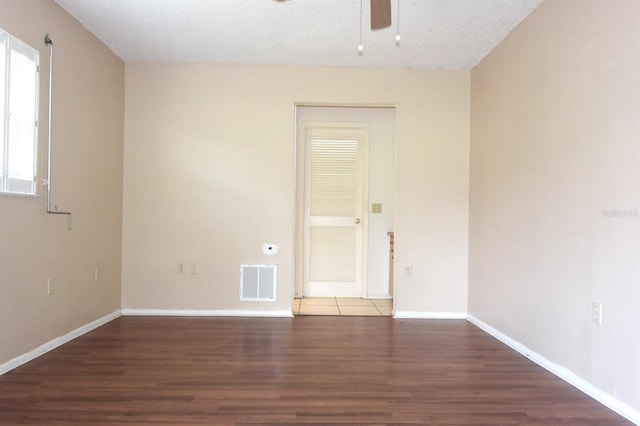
{"x": 380, "y": 19}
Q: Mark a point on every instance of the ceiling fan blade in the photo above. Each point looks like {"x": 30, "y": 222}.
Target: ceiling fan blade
{"x": 380, "y": 14}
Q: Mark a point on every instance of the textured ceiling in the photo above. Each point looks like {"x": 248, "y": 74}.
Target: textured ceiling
{"x": 447, "y": 34}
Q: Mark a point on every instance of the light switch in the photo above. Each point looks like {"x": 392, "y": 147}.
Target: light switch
{"x": 376, "y": 208}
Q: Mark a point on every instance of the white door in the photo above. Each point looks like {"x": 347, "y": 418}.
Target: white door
{"x": 334, "y": 219}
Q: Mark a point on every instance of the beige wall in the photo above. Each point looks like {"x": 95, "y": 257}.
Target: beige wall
{"x": 209, "y": 175}
{"x": 88, "y": 113}
{"x": 555, "y": 142}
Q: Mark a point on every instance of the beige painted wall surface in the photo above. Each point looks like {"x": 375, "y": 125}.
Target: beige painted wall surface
{"x": 209, "y": 174}
{"x": 555, "y": 149}
{"x": 88, "y": 115}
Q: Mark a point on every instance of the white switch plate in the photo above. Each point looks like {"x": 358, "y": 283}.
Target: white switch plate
{"x": 180, "y": 267}
{"x": 596, "y": 313}
{"x": 408, "y": 271}
{"x": 50, "y": 286}
{"x": 194, "y": 268}
{"x": 269, "y": 249}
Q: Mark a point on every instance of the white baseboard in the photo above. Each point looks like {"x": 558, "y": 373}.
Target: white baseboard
{"x": 429, "y": 315}
{"x": 206, "y": 313}
{"x": 379, "y": 296}
{"x": 564, "y": 373}
{"x": 58, "y": 341}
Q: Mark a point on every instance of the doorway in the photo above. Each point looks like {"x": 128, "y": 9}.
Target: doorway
{"x": 345, "y": 201}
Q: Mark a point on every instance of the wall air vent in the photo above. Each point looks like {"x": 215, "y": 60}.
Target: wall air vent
{"x": 258, "y": 283}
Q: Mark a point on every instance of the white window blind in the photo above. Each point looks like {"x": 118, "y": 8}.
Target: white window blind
{"x": 18, "y": 115}
{"x": 334, "y": 177}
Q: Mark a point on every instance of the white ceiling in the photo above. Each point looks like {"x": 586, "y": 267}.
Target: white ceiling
{"x": 446, "y": 34}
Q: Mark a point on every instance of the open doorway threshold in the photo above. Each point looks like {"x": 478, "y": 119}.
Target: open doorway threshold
{"x": 342, "y": 306}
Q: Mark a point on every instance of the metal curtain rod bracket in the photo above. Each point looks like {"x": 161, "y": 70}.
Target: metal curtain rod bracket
{"x": 49, "y": 42}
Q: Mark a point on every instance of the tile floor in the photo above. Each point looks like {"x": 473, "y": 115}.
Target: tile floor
{"x": 345, "y": 306}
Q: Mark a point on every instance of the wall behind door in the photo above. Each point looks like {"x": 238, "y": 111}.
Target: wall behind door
{"x": 382, "y": 130}
{"x": 209, "y": 172}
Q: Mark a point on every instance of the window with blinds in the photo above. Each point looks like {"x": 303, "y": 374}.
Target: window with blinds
{"x": 18, "y": 115}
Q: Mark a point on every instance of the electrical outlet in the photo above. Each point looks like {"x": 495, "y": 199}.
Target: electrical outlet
{"x": 194, "y": 268}
{"x": 596, "y": 313}
{"x": 408, "y": 271}
{"x": 50, "y": 286}
{"x": 180, "y": 267}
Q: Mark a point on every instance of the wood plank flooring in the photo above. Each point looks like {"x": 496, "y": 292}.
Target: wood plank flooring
{"x": 305, "y": 370}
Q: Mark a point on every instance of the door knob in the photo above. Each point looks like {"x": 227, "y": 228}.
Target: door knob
{"x": 357, "y": 220}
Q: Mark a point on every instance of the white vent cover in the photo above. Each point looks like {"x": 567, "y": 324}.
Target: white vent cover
{"x": 258, "y": 283}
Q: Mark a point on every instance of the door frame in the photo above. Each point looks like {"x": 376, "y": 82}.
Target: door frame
{"x": 300, "y": 197}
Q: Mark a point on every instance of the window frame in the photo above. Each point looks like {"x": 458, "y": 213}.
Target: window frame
{"x": 9, "y": 185}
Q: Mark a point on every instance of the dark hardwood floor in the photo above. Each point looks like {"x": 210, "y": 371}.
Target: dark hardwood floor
{"x": 322, "y": 370}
